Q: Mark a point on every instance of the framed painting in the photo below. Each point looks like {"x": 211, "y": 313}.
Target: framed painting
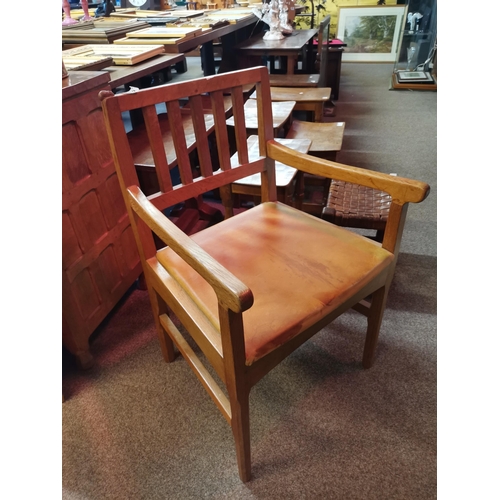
{"x": 371, "y": 33}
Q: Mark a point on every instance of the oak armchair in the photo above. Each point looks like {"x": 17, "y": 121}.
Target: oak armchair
{"x": 254, "y": 287}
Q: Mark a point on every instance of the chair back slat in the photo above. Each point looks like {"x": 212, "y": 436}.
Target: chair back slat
{"x": 156, "y": 143}
{"x": 221, "y": 136}
{"x": 200, "y": 132}
{"x": 179, "y": 137}
{"x": 240, "y": 130}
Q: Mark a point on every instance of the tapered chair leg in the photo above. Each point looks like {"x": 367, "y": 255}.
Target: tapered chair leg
{"x": 375, "y": 316}
{"x": 240, "y": 425}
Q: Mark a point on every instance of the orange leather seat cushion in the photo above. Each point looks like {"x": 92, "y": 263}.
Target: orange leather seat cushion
{"x": 298, "y": 267}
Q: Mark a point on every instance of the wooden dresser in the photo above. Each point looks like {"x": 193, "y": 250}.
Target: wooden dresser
{"x": 100, "y": 260}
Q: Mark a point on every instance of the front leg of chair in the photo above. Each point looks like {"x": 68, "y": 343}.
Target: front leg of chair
{"x": 377, "y": 307}
{"x": 233, "y": 346}
{"x": 240, "y": 425}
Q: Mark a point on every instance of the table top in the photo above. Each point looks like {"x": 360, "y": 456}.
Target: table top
{"x": 284, "y": 173}
{"x": 121, "y": 75}
{"x": 188, "y": 44}
{"x": 292, "y": 43}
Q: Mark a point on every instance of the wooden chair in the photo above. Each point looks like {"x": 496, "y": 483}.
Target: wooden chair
{"x": 253, "y": 288}
{"x": 309, "y": 79}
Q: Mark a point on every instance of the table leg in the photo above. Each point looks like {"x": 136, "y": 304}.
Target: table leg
{"x": 230, "y": 60}
{"x": 290, "y": 65}
{"x": 207, "y": 58}
{"x": 318, "y": 112}
{"x": 181, "y": 67}
{"x": 310, "y": 57}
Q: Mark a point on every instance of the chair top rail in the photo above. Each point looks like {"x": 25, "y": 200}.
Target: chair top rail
{"x": 173, "y": 92}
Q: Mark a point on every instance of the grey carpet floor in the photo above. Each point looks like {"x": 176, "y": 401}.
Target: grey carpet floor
{"x": 136, "y": 428}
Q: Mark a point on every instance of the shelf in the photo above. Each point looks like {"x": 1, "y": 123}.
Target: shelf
{"x": 412, "y": 85}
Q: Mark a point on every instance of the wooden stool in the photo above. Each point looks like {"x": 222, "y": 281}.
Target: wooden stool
{"x": 351, "y": 205}
{"x": 192, "y": 5}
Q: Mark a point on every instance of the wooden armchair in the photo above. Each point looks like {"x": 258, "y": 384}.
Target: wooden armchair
{"x": 254, "y": 287}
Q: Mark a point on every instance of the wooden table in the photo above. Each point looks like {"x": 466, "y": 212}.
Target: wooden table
{"x": 126, "y": 75}
{"x": 252, "y": 50}
{"x": 229, "y": 36}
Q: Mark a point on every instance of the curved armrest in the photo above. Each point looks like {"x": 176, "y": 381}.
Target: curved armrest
{"x": 402, "y": 190}
{"x": 231, "y": 292}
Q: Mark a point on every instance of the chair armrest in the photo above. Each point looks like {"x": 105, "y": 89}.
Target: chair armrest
{"x": 402, "y": 190}
{"x": 231, "y": 292}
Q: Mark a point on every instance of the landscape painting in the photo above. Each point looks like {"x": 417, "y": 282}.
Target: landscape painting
{"x": 372, "y": 34}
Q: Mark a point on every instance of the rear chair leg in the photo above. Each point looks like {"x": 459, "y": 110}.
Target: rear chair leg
{"x": 375, "y": 315}
{"x": 166, "y": 343}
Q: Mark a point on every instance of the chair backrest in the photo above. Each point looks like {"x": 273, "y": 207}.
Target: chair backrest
{"x": 212, "y": 176}
{"x": 323, "y": 39}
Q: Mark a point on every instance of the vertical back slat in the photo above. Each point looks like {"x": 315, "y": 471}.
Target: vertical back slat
{"x": 175, "y": 120}
{"x": 222, "y": 139}
{"x": 240, "y": 130}
{"x": 200, "y": 132}
{"x": 157, "y": 148}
